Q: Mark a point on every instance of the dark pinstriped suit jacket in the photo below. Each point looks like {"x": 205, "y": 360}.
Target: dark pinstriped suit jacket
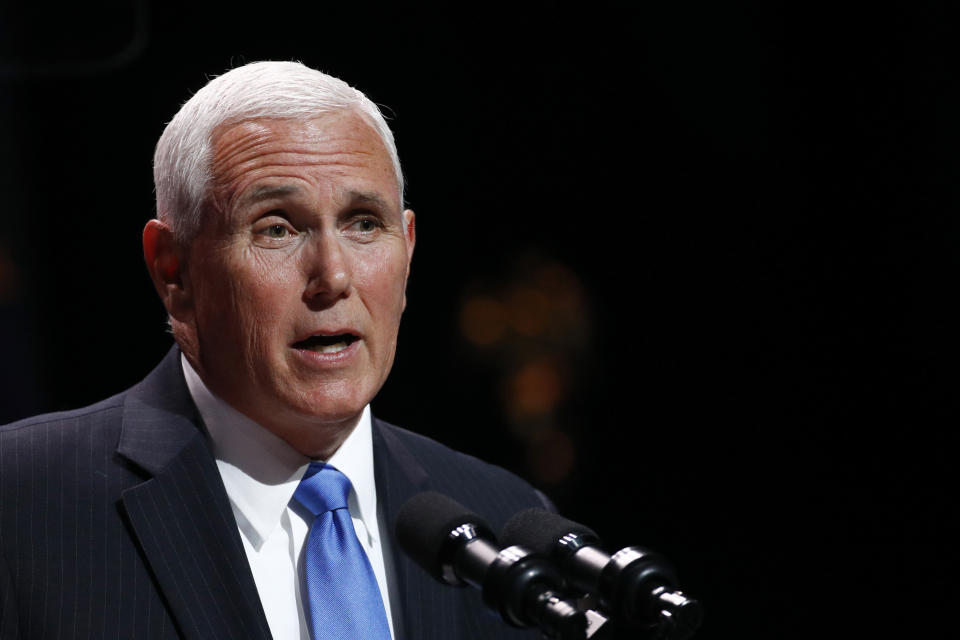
{"x": 114, "y": 523}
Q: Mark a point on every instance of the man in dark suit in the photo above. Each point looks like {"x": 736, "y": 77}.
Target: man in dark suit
{"x": 281, "y": 252}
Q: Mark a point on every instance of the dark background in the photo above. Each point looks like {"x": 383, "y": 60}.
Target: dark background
{"x": 688, "y": 269}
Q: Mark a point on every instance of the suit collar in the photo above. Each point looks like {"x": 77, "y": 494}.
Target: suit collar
{"x": 159, "y": 418}
{"x": 185, "y": 526}
{"x": 181, "y": 516}
{"x": 429, "y": 611}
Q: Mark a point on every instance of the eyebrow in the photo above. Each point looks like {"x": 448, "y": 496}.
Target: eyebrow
{"x": 278, "y": 191}
{"x": 369, "y": 197}
{"x": 268, "y": 192}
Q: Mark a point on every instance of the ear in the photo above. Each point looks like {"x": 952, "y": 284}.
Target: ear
{"x": 164, "y": 263}
{"x": 409, "y": 232}
{"x": 410, "y": 236}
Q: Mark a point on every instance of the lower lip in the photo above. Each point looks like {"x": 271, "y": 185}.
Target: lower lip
{"x": 327, "y": 359}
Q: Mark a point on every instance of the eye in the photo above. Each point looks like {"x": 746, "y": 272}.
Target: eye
{"x": 367, "y": 225}
{"x": 276, "y": 231}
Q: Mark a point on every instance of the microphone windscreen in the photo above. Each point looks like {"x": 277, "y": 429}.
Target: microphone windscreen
{"x": 539, "y": 530}
{"x": 424, "y": 525}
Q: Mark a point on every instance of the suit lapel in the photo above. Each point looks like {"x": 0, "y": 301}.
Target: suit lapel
{"x": 430, "y": 611}
{"x": 181, "y": 516}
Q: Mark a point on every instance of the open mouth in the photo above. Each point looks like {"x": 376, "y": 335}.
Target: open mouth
{"x": 326, "y": 344}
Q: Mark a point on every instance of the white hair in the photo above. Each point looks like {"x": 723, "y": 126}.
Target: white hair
{"x": 274, "y": 90}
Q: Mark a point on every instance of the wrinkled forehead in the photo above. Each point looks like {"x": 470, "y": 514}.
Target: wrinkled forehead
{"x": 342, "y": 143}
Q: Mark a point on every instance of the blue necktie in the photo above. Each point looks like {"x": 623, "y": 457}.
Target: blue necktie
{"x": 342, "y": 593}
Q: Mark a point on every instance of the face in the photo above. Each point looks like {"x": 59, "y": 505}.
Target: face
{"x": 297, "y": 279}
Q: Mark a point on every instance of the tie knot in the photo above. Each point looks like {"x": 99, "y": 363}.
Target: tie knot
{"x": 323, "y": 488}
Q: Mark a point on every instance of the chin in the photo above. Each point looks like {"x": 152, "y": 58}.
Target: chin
{"x": 336, "y": 414}
{"x": 326, "y": 408}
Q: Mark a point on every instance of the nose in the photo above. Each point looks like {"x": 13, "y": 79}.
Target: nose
{"x": 329, "y": 274}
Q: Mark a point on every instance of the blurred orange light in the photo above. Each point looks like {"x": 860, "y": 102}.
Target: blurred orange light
{"x": 529, "y": 311}
{"x": 483, "y": 321}
{"x": 536, "y": 389}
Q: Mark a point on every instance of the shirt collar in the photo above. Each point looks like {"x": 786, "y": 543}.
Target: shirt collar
{"x": 261, "y": 471}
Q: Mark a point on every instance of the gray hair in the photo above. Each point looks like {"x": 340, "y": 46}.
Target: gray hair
{"x": 275, "y": 90}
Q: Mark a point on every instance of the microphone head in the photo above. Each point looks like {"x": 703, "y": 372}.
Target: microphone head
{"x": 424, "y": 527}
{"x": 542, "y": 531}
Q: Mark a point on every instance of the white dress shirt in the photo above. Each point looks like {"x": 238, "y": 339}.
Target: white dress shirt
{"x": 260, "y": 472}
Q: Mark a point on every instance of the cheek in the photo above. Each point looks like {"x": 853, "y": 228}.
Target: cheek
{"x": 380, "y": 277}
{"x": 265, "y": 279}
{"x": 249, "y": 294}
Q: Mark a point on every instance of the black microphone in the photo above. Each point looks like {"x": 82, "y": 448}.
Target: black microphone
{"x": 636, "y": 587}
{"x": 456, "y": 547}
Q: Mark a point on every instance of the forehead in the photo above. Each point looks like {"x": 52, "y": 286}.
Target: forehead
{"x": 334, "y": 148}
